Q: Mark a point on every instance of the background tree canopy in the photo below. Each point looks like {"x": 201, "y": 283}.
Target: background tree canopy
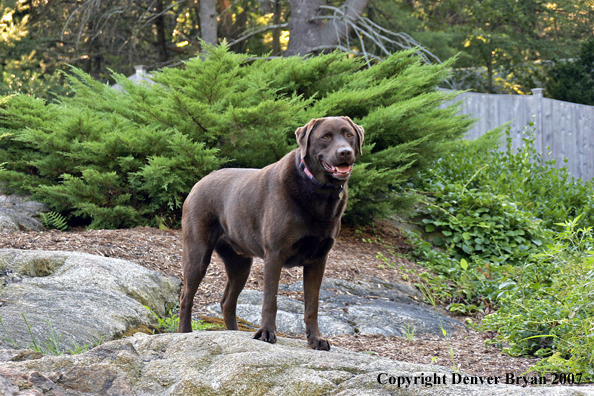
{"x": 573, "y": 80}
{"x": 503, "y": 44}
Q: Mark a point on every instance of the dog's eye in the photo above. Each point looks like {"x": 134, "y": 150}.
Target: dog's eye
{"x": 349, "y": 135}
{"x": 325, "y": 137}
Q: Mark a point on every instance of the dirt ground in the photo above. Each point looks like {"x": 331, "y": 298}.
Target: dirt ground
{"x": 352, "y": 258}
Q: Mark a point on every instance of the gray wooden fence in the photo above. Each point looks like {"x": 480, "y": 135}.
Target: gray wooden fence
{"x": 563, "y": 129}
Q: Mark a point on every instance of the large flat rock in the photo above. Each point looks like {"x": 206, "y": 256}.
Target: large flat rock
{"x": 80, "y": 298}
{"x": 362, "y": 307}
{"x": 232, "y": 363}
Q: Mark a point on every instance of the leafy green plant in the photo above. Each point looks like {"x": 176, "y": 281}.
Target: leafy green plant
{"x": 482, "y": 224}
{"x": 552, "y": 318}
{"x": 496, "y": 210}
{"x": 385, "y": 260}
{"x": 572, "y": 80}
{"x": 500, "y": 220}
{"x": 53, "y": 220}
{"x": 410, "y": 333}
{"x": 524, "y": 177}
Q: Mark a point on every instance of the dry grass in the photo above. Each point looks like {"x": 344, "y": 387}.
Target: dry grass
{"x": 350, "y": 259}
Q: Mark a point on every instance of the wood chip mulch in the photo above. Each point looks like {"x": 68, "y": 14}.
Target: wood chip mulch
{"x": 350, "y": 259}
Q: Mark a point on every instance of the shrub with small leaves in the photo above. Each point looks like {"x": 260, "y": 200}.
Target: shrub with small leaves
{"x": 535, "y": 184}
{"x": 495, "y": 209}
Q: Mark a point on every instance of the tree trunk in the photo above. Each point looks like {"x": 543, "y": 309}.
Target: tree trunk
{"x": 354, "y": 10}
{"x": 239, "y": 28}
{"x": 208, "y": 21}
{"x": 160, "y": 27}
{"x": 308, "y": 33}
{"x": 305, "y": 33}
{"x": 226, "y": 19}
{"x": 276, "y": 20}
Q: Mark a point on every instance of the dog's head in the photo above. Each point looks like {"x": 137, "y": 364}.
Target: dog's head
{"x": 329, "y": 147}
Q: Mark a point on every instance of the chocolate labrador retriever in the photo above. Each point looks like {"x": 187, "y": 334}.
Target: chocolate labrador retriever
{"x": 288, "y": 213}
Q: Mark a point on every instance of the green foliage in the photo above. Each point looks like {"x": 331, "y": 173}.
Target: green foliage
{"x": 573, "y": 80}
{"x": 480, "y": 224}
{"x": 408, "y": 17}
{"x": 501, "y": 42}
{"x": 534, "y": 184}
{"x": 552, "y": 318}
{"x": 53, "y": 220}
{"x": 409, "y": 333}
{"x": 22, "y": 68}
{"x": 493, "y": 210}
{"x": 502, "y": 218}
{"x": 120, "y": 159}
{"x": 170, "y": 323}
{"x": 28, "y": 76}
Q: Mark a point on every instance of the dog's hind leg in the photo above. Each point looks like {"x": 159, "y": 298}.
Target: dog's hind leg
{"x": 199, "y": 241}
{"x": 238, "y": 270}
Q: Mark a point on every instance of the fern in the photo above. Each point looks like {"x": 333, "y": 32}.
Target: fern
{"x": 53, "y": 220}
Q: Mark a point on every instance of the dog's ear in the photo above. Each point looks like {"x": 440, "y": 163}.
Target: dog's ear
{"x": 303, "y": 133}
{"x": 360, "y": 134}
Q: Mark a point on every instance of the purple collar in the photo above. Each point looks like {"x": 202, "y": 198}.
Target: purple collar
{"x": 303, "y": 167}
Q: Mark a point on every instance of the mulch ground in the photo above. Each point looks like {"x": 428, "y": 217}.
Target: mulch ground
{"x": 350, "y": 259}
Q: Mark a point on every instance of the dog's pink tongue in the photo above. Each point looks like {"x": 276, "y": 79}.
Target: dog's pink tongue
{"x": 344, "y": 168}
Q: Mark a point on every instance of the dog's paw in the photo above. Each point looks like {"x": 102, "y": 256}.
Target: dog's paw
{"x": 265, "y": 335}
{"x": 319, "y": 344}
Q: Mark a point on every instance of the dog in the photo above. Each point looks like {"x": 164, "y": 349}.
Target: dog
{"x": 287, "y": 213}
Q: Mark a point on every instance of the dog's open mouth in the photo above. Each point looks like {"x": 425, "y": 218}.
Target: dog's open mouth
{"x": 340, "y": 171}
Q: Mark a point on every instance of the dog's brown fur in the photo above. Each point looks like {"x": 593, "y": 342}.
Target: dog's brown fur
{"x": 278, "y": 213}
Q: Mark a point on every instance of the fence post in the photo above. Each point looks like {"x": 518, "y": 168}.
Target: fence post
{"x": 538, "y": 94}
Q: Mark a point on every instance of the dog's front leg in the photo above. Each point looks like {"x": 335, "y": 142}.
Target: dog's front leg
{"x": 312, "y": 281}
{"x": 273, "y": 265}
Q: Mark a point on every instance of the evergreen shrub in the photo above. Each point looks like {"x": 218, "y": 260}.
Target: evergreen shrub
{"x": 122, "y": 159}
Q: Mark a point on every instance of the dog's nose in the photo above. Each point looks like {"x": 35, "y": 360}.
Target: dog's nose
{"x": 344, "y": 153}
